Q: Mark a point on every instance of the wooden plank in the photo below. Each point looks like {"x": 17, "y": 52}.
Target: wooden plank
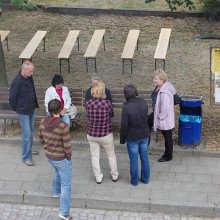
{"x": 162, "y": 44}
{"x": 94, "y": 44}
{"x": 130, "y": 44}
{"x": 32, "y": 45}
{"x": 68, "y": 44}
{"x": 4, "y": 34}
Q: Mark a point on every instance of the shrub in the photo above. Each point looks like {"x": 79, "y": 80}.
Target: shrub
{"x": 22, "y": 4}
{"x": 211, "y": 8}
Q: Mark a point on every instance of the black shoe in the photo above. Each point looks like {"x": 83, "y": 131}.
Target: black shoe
{"x": 163, "y": 159}
{"x": 115, "y": 180}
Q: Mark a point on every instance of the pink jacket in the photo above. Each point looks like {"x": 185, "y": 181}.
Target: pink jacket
{"x": 164, "y": 117}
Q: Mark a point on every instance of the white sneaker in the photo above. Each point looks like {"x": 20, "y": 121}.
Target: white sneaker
{"x": 65, "y": 217}
{"x": 56, "y": 196}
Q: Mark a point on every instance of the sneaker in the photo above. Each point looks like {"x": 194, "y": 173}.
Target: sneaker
{"x": 34, "y": 152}
{"x": 56, "y": 196}
{"x": 65, "y": 217}
{"x": 29, "y": 162}
{"x": 115, "y": 180}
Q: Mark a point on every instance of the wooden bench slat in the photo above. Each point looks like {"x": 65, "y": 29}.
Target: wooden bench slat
{"x": 68, "y": 44}
{"x": 32, "y": 45}
{"x": 162, "y": 44}
{"x": 94, "y": 44}
{"x": 130, "y": 44}
{"x": 4, "y": 34}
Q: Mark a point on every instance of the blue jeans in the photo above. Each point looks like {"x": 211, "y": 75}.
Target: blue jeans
{"x": 141, "y": 147}
{"x": 27, "y": 128}
{"x": 64, "y": 118}
{"x": 62, "y": 183}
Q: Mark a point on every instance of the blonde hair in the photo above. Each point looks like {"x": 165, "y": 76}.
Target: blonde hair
{"x": 98, "y": 90}
{"x": 160, "y": 74}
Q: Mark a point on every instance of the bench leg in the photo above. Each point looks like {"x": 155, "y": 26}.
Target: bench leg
{"x": 60, "y": 66}
{"x": 155, "y": 64}
{"x": 164, "y": 65}
{"x": 123, "y": 66}
{"x": 7, "y": 43}
{"x": 44, "y": 44}
{"x": 131, "y": 65}
{"x": 68, "y": 60}
{"x": 4, "y": 128}
{"x": 87, "y": 65}
{"x": 103, "y": 39}
{"x": 95, "y": 66}
{"x": 137, "y": 44}
{"x": 78, "y": 42}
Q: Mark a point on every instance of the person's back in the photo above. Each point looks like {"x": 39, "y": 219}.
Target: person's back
{"x": 55, "y": 135}
{"x": 137, "y": 111}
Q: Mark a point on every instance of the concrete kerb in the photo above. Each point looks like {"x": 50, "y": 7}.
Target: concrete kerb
{"x": 117, "y": 204}
{"x": 82, "y": 145}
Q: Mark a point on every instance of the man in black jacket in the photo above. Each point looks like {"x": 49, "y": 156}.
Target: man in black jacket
{"x": 23, "y": 101}
{"x": 96, "y": 79}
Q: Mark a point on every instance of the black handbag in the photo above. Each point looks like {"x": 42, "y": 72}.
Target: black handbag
{"x": 176, "y": 99}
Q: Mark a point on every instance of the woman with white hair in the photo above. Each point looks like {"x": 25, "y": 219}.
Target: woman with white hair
{"x": 163, "y": 117}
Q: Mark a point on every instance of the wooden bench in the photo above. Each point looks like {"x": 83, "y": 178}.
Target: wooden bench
{"x": 93, "y": 47}
{"x": 33, "y": 45}
{"x": 68, "y": 46}
{"x": 118, "y": 101}
{"x": 4, "y": 37}
{"x": 129, "y": 48}
{"x": 162, "y": 46}
{"x": 8, "y": 114}
{"x": 78, "y": 99}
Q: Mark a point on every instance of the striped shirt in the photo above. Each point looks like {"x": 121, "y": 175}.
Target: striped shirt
{"x": 55, "y": 136}
{"x": 99, "y": 113}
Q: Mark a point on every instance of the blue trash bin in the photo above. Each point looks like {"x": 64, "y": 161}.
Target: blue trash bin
{"x": 190, "y": 120}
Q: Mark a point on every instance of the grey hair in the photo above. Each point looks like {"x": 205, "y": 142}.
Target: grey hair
{"x": 95, "y": 77}
{"x": 26, "y": 64}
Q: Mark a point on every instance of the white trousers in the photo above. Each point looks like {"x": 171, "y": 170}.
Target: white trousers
{"x": 108, "y": 144}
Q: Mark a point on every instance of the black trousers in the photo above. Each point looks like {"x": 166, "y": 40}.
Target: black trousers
{"x": 168, "y": 154}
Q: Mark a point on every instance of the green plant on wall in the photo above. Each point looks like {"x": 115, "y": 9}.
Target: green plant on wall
{"x": 22, "y": 4}
{"x": 174, "y": 4}
{"x": 210, "y": 7}
{"x": 0, "y": 7}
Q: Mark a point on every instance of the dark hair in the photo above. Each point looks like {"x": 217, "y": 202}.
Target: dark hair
{"x": 57, "y": 79}
{"x": 130, "y": 91}
{"x": 54, "y": 106}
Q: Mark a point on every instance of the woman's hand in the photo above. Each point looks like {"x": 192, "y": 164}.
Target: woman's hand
{"x": 63, "y": 111}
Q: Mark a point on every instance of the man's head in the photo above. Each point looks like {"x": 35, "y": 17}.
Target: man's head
{"x": 27, "y": 69}
{"x": 54, "y": 107}
{"x": 95, "y": 79}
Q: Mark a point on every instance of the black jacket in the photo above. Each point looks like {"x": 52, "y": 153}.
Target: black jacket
{"x": 134, "y": 124}
{"x": 22, "y": 95}
{"x": 89, "y": 95}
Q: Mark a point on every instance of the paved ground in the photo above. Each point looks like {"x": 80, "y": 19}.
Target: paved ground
{"x": 31, "y": 212}
{"x": 186, "y": 185}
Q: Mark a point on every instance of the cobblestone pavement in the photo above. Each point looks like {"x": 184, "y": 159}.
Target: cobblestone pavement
{"x": 30, "y": 212}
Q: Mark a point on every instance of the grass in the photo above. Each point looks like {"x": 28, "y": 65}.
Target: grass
{"x": 121, "y": 4}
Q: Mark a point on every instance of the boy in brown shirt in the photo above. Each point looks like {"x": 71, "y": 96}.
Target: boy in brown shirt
{"x": 55, "y": 135}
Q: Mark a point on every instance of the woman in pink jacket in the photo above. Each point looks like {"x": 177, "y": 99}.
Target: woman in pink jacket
{"x": 163, "y": 117}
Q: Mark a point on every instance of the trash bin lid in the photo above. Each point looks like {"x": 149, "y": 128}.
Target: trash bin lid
{"x": 191, "y": 98}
